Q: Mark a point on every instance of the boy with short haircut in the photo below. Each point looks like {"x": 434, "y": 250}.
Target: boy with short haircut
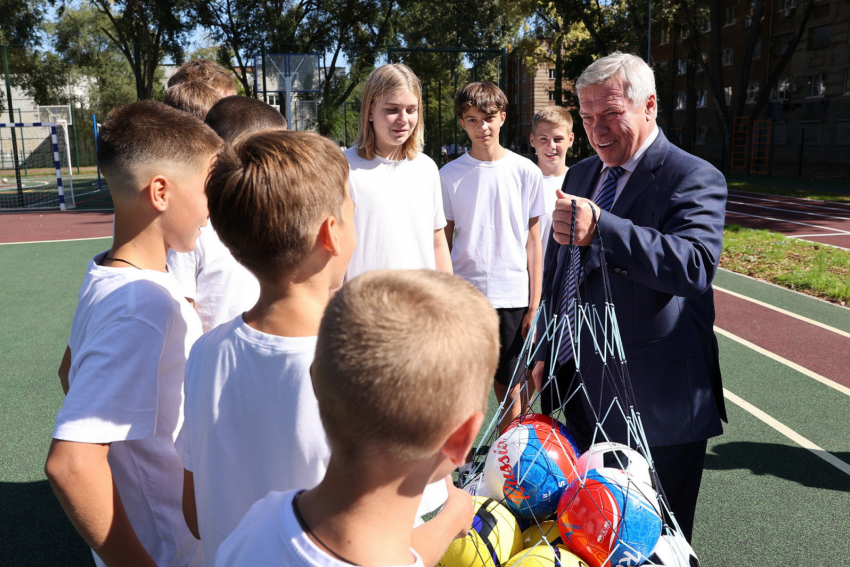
{"x": 208, "y": 72}
{"x": 193, "y": 97}
{"x": 493, "y": 199}
{"x": 218, "y": 286}
{"x": 551, "y": 137}
{"x": 404, "y": 360}
{"x": 112, "y": 462}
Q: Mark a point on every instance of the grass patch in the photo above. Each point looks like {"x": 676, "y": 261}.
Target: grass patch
{"x": 817, "y": 194}
{"x": 822, "y": 271}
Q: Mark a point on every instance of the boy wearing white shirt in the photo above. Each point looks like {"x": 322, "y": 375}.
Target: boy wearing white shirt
{"x": 112, "y": 462}
{"x": 404, "y": 360}
{"x": 220, "y": 287}
{"x": 493, "y": 199}
{"x": 551, "y": 137}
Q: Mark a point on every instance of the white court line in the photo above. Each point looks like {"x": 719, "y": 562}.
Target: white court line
{"x": 788, "y": 221}
{"x": 793, "y": 365}
{"x": 813, "y": 235}
{"x": 786, "y": 210}
{"x": 829, "y": 205}
{"x": 784, "y": 312}
{"x": 48, "y": 241}
{"x": 788, "y": 432}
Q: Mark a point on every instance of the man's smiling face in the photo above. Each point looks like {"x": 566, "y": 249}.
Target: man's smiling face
{"x": 616, "y": 129}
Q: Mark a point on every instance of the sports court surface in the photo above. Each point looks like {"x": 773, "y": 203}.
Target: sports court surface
{"x": 819, "y": 221}
{"x": 776, "y": 489}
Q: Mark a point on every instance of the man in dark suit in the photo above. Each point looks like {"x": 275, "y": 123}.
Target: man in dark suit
{"x": 660, "y": 215}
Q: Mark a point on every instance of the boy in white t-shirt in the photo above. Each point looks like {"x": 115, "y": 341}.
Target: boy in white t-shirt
{"x": 395, "y": 187}
{"x": 551, "y": 137}
{"x": 493, "y": 199}
{"x": 220, "y": 287}
{"x": 112, "y": 462}
{"x": 404, "y": 360}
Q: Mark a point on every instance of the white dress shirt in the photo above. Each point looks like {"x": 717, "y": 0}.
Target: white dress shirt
{"x": 628, "y": 168}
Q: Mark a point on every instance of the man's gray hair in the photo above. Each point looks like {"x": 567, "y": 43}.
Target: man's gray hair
{"x": 637, "y": 76}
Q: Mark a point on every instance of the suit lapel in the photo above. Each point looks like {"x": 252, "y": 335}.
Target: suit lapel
{"x": 642, "y": 177}
{"x": 585, "y": 186}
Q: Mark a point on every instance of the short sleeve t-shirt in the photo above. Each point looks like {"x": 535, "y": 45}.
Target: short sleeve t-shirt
{"x": 221, "y": 287}
{"x": 550, "y": 196}
{"x": 270, "y": 534}
{"x": 397, "y": 207}
{"x": 130, "y": 338}
{"x": 491, "y": 203}
{"x": 252, "y": 424}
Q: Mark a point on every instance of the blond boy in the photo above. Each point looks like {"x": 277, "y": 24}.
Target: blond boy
{"x": 112, "y": 463}
{"x": 194, "y": 97}
{"x": 208, "y": 72}
{"x": 404, "y": 362}
{"x": 492, "y": 199}
{"x": 551, "y": 137}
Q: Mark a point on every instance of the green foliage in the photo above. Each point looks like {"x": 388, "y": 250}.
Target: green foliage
{"x": 809, "y": 267}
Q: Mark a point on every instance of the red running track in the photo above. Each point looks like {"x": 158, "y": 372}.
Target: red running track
{"x": 820, "y": 350}
{"x": 816, "y": 221}
{"x": 39, "y": 226}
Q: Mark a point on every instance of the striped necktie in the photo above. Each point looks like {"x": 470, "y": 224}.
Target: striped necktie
{"x": 605, "y": 201}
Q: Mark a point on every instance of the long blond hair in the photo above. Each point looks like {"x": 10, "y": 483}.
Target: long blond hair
{"x": 382, "y": 82}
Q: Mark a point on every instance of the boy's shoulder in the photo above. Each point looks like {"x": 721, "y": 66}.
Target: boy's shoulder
{"x": 262, "y": 537}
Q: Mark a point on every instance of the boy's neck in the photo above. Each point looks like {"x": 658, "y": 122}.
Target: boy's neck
{"x": 491, "y": 153}
{"x": 291, "y": 309}
{"x": 553, "y": 171}
{"x": 136, "y": 244}
{"x": 363, "y": 517}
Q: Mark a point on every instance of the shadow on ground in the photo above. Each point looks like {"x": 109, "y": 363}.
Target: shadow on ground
{"x": 35, "y": 531}
{"x": 794, "y": 464}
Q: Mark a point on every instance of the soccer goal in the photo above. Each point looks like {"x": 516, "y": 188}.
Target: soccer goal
{"x": 33, "y": 156}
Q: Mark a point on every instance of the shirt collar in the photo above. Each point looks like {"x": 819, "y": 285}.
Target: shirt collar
{"x": 633, "y": 161}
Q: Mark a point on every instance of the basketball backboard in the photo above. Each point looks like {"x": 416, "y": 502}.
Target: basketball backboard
{"x": 301, "y": 68}
{"x": 60, "y": 114}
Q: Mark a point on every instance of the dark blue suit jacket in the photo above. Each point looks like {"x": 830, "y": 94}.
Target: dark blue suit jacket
{"x": 662, "y": 242}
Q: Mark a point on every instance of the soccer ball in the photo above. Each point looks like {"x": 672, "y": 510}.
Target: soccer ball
{"x": 542, "y": 419}
{"x": 673, "y": 552}
{"x": 529, "y": 466}
{"x": 616, "y": 456}
{"x": 477, "y": 486}
{"x": 546, "y": 556}
{"x": 547, "y": 530}
{"x": 5, "y": 180}
{"x": 609, "y": 516}
{"x": 494, "y": 538}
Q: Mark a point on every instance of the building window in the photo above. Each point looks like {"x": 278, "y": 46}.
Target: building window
{"x": 523, "y": 118}
{"x": 783, "y": 43}
{"x": 682, "y": 35}
{"x": 847, "y": 82}
{"x": 727, "y": 92}
{"x": 815, "y": 86}
{"x": 731, "y": 16}
{"x": 780, "y": 133}
{"x": 785, "y": 6}
{"x": 524, "y": 76}
{"x": 752, "y": 93}
{"x": 516, "y": 97}
{"x": 704, "y": 23}
{"x": 681, "y": 66}
{"x": 662, "y": 65}
{"x": 750, "y": 12}
{"x": 665, "y": 35}
{"x": 551, "y": 73}
{"x": 273, "y": 99}
{"x": 842, "y": 133}
{"x": 523, "y": 97}
{"x": 819, "y": 37}
{"x": 680, "y": 101}
{"x": 757, "y": 51}
{"x": 699, "y": 140}
{"x": 727, "y": 56}
{"x": 812, "y": 134}
{"x": 552, "y": 94}
{"x": 702, "y": 94}
{"x": 781, "y": 91}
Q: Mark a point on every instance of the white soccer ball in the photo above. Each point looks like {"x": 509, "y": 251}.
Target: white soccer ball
{"x": 673, "y": 551}
{"x": 5, "y": 180}
{"x": 616, "y": 456}
{"x": 477, "y": 486}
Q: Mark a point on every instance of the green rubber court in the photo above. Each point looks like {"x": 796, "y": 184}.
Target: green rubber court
{"x": 776, "y": 489}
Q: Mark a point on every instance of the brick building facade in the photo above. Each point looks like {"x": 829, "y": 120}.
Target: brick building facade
{"x": 528, "y": 90}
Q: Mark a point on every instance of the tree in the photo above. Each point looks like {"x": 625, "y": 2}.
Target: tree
{"x": 144, "y": 31}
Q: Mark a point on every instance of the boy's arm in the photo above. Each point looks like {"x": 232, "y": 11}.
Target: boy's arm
{"x": 450, "y": 233}
{"x": 82, "y": 481}
{"x": 190, "y": 509}
{"x": 534, "y": 250}
{"x": 431, "y": 539}
{"x": 442, "y": 254}
{"x": 65, "y": 369}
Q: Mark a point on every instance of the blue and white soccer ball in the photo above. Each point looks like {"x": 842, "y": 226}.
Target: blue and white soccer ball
{"x": 673, "y": 551}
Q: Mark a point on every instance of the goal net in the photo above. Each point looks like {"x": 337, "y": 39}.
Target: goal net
{"x": 35, "y": 169}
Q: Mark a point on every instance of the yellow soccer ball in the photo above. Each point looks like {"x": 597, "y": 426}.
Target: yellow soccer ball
{"x": 547, "y": 530}
{"x": 546, "y": 556}
{"x": 493, "y": 539}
